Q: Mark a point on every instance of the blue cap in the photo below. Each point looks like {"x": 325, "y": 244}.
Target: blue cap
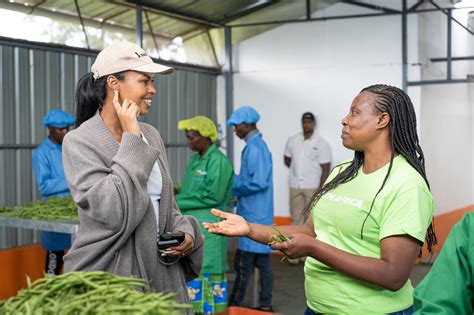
{"x": 243, "y": 115}
{"x": 59, "y": 119}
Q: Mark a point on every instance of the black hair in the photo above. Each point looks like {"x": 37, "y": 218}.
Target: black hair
{"x": 308, "y": 115}
{"x": 90, "y": 95}
{"x": 404, "y": 141}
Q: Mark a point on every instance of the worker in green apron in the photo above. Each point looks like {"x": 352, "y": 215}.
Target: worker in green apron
{"x": 207, "y": 184}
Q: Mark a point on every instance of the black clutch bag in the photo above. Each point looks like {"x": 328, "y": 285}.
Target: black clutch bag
{"x": 170, "y": 240}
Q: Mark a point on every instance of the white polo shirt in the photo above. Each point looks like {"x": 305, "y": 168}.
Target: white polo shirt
{"x": 306, "y": 159}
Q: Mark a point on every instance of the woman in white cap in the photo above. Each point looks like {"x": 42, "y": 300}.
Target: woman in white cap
{"x": 118, "y": 174}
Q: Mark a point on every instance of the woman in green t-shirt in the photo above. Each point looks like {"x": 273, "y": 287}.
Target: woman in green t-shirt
{"x": 368, "y": 221}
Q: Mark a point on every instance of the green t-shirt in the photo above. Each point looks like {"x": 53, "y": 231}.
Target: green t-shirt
{"x": 404, "y": 206}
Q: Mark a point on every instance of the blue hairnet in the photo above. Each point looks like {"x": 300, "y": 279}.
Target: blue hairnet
{"x": 59, "y": 119}
{"x": 243, "y": 115}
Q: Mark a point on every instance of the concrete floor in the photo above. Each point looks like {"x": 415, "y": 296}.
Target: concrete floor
{"x": 288, "y": 289}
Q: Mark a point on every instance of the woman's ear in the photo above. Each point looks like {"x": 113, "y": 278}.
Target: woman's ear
{"x": 113, "y": 82}
{"x": 384, "y": 120}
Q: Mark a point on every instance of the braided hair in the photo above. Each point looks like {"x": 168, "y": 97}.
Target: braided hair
{"x": 404, "y": 141}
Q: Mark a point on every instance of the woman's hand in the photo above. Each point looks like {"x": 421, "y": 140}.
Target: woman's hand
{"x": 232, "y": 224}
{"x": 184, "y": 248}
{"x": 298, "y": 246}
{"x": 127, "y": 113}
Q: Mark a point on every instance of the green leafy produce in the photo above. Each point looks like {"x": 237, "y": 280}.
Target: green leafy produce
{"x": 5, "y": 209}
{"x": 94, "y": 293}
{"x": 56, "y": 208}
{"x": 279, "y": 238}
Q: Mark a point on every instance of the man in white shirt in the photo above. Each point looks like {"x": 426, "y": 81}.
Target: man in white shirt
{"x": 309, "y": 158}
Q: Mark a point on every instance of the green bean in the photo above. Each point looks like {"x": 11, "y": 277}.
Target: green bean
{"x": 56, "y": 208}
{"x": 279, "y": 238}
{"x": 97, "y": 293}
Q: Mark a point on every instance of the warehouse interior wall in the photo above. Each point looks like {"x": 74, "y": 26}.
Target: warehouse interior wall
{"x": 447, "y": 113}
{"x": 318, "y": 67}
{"x": 321, "y": 66}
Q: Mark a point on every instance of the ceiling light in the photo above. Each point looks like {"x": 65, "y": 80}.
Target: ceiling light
{"x": 177, "y": 41}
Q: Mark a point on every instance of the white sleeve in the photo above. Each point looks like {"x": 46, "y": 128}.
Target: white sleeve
{"x": 288, "y": 152}
{"x": 325, "y": 155}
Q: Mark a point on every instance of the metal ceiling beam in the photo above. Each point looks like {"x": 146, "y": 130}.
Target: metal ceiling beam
{"x": 404, "y": 46}
{"x": 36, "y": 5}
{"x": 229, "y": 92}
{"x": 114, "y": 15}
{"x": 449, "y": 45}
{"x": 198, "y": 31}
{"x": 328, "y": 18}
{"x": 14, "y": 42}
{"x": 156, "y": 8}
{"x": 452, "y": 59}
{"x": 40, "y": 11}
{"x": 82, "y": 23}
{"x": 337, "y": 17}
{"x": 371, "y": 6}
{"x": 431, "y": 82}
{"x": 139, "y": 22}
{"x": 308, "y": 9}
{"x": 254, "y": 7}
{"x": 151, "y": 31}
{"x": 445, "y": 12}
{"x": 415, "y": 6}
{"x": 213, "y": 48}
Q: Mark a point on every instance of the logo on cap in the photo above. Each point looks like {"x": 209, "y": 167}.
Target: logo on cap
{"x": 140, "y": 54}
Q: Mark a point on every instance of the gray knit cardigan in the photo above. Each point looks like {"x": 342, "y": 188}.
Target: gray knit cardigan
{"x": 117, "y": 225}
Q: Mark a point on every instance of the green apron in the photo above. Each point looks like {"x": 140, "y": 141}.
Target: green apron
{"x": 208, "y": 184}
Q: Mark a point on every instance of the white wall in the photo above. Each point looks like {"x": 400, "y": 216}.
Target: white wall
{"x": 318, "y": 66}
{"x": 447, "y": 113}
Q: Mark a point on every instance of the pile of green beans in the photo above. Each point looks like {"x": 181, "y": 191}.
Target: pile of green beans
{"x": 97, "y": 293}
{"x": 5, "y": 209}
{"x": 56, "y": 208}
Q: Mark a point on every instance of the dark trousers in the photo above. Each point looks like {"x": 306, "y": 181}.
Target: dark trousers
{"x": 54, "y": 262}
{"x": 243, "y": 264}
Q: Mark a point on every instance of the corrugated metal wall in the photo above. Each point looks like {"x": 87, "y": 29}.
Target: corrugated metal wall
{"x": 34, "y": 80}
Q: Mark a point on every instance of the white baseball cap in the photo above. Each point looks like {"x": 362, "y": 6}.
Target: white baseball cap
{"x": 122, "y": 56}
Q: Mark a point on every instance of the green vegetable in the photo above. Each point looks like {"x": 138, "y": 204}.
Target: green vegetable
{"x": 55, "y": 208}
{"x": 94, "y": 293}
{"x": 279, "y": 238}
{"x": 5, "y": 209}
